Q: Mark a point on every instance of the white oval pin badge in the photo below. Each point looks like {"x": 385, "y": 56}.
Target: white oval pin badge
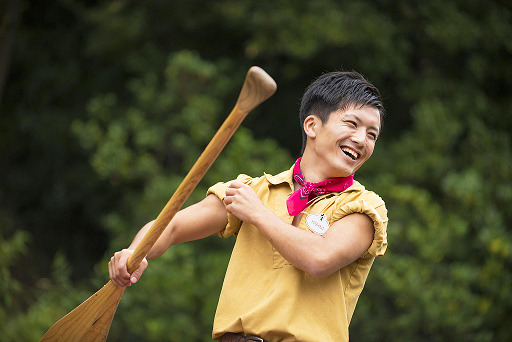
{"x": 317, "y": 223}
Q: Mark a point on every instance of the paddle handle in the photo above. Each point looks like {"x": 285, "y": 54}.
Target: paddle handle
{"x": 258, "y": 86}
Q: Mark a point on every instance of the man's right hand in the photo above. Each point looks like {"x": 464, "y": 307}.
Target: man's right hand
{"x": 119, "y": 273}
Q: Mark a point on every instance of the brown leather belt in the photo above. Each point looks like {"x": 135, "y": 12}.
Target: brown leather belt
{"x": 232, "y": 337}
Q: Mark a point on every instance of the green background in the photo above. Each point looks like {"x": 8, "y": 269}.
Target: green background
{"x": 105, "y": 105}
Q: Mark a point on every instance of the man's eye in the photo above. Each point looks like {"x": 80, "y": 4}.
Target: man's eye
{"x": 373, "y": 136}
{"x": 353, "y": 123}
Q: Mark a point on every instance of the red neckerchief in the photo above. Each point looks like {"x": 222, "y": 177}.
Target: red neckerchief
{"x": 298, "y": 201}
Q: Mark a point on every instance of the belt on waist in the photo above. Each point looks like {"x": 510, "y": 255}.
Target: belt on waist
{"x": 232, "y": 337}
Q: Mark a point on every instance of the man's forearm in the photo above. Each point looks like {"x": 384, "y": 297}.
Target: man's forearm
{"x": 158, "y": 248}
{"x": 303, "y": 249}
{"x": 344, "y": 242}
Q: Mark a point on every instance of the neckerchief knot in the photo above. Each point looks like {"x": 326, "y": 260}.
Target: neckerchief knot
{"x": 298, "y": 201}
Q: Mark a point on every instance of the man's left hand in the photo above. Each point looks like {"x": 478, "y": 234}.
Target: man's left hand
{"x": 242, "y": 201}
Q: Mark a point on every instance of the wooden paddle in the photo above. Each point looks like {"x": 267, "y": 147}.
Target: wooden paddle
{"x": 91, "y": 320}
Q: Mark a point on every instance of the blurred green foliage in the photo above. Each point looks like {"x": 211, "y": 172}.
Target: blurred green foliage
{"x": 108, "y": 104}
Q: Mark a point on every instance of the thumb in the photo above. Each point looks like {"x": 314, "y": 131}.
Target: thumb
{"x": 135, "y": 276}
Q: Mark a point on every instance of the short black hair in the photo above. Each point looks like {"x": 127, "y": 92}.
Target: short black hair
{"x": 337, "y": 90}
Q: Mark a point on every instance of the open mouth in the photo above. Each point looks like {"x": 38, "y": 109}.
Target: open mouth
{"x": 351, "y": 153}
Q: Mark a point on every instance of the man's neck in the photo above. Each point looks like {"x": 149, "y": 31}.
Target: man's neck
{"x": 311, "y": 169}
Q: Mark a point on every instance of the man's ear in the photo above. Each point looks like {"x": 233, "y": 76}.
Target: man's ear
{"x": 311, "y": 125}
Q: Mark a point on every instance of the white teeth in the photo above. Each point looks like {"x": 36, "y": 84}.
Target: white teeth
{"x": 352, "y": 153}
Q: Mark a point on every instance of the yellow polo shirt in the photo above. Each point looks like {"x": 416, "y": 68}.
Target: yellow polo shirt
{"x": 264, "y": 295}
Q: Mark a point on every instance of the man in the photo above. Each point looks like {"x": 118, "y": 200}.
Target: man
{"x": 305, "y": 238}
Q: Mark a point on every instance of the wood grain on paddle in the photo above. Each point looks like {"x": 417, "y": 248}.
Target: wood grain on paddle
{"x": 91, "y": 320}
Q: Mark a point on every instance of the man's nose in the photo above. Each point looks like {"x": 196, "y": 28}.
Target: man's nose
{"x": 359, "y": 136}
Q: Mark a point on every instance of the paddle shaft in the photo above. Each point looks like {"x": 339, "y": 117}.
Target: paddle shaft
{"x": 258, "y": 86}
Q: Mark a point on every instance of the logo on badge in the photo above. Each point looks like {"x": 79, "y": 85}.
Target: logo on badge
{"x": 317, "y": 223}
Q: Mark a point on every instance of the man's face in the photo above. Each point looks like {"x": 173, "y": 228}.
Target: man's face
{"x": 346, "y": 140}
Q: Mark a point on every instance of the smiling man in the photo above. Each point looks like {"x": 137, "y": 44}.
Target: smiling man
{"x": 305, "y": 238}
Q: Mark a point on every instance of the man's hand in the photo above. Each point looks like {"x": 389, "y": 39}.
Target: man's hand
{"x": 118, "y": 272}
{"x": 242, "y": 201}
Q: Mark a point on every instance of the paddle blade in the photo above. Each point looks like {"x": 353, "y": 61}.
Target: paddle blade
{"x": 91, "y": 320}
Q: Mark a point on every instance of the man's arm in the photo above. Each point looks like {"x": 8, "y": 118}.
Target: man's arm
{"x": 192, "y": 223}
{"x": 319, "y": 255}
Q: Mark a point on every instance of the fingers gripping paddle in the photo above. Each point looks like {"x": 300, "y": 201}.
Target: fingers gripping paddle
{"x": 91, "y": 320}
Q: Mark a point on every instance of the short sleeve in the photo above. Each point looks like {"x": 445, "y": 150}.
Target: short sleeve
{"x": 234, "y": 222}
{"x": 376, "y": 210}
